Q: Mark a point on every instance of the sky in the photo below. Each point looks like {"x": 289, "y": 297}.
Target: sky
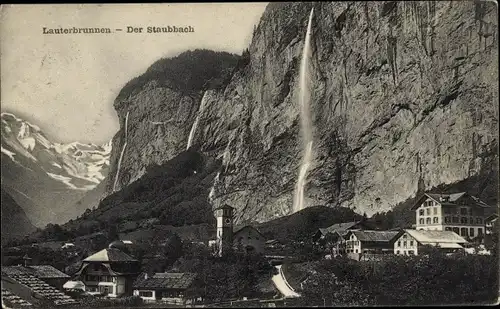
{"x": 66, "y": 83}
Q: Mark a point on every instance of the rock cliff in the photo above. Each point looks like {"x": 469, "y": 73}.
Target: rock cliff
{"x": 404, "y": 100}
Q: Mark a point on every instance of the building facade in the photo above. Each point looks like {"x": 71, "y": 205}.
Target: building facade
{"x": 413, "y": 242}
{"x": 249, "y": 239}
{"x": 109, "y": 272}
{"x": 459, "y": 212}
{"x": 173, "y": 288}
{"x": 367, "y": 243}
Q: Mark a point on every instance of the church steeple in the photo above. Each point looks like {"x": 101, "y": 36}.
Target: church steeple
{"x": 224, "y": 215}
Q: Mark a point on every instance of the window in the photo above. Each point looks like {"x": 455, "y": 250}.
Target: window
{"x": 463, "y": 211}
{"x": 463, "y": 220}
{"x": 454, "y": 219}
{"x": 456, "y": 230}
{"x": 356, "y": 251}
{"x": 479, "y": 231}
{"x": 411, "y": 252}
{"x": 435, "y": 220}
{"x": 463, "y": 231}
{"x": 471, "y": 232}
{"x": 428, "y": 221}
{"x": 447, "y": 228}
{"x": 146, "y": 293}
{"x": 404, "y": 243}
{"x": 421, "y": 221}
{"x": 411, "y": 243}
{"x": 447, "y": 220}
{"x": 399, "y": 243}
{"x": 470, "y": 211}
{"x": 479, "y": 221}
{"x": 428, "y": 211}
{"x": 421, "y": 212}
{"x": 435, "y": 210}
{"x": 397, "y": 252}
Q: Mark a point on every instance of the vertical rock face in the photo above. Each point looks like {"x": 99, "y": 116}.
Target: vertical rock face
{"x": 403, "y": 100}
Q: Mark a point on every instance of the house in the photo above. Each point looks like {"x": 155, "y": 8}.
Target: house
{"x": 413, "y": 242}
{"x": 249, "y": 239}
{"x": 110, "y": 272}
{"x": 332, "y": 237}
{"x": 365, "y": 244}
{"x": 461, "y": 213}
{"x": 340, "y": 228}
{"x": 46, "y": 273}
{"x": 23, "y": 286}
{"x": 178, "y": 288}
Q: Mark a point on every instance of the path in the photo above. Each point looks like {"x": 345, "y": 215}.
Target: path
{"x": 282, "y": 285}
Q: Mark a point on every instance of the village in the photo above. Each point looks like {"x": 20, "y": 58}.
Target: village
{"x": 456, "y": 223}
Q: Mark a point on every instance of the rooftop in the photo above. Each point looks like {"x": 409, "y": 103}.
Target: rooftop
{"x": 180, "y": 281}
{"x": 38, "y": 287}
{"x": 450, "y": 199}
{"x": 41, "y": 271}
{"x": 110, "y": 255}
{"x": 424, "y": 236}
{"x": 339, "y": 227}
{"x": 375, "y": 236}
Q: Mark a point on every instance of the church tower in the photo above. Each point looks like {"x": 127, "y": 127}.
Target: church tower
{"x": 224, "y": 215}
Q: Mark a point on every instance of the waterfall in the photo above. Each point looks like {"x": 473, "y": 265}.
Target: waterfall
{"x": 121, "y": 154}
{"x": 196, "y": 121}
{"x": 212, "y": 190}
{"x": 305, "y": 117}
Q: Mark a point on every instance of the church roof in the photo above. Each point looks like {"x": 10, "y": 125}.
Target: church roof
{"x": 247, "y": 227}
{"x": 110, "y": 255}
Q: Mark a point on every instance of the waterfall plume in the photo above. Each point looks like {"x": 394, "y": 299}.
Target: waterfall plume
{"x": 196, "y": 121}
{"x": 305, "y": 120}
{"x": 121, "y": 154}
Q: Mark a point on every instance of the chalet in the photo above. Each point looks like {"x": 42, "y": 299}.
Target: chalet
{"x": 461, "y": 213}
{"x": 110, "y": 272}
{"x": 339, "y": 228}
{"x": 22, "y": 286}
{"x": 177, "y": 288}
{"x": 413, "y": 242}
{"x": 361, "y": 244}
{"x": 249, "y": 239}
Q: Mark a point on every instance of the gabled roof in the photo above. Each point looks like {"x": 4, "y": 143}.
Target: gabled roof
{"x": 247, "y": 227}
{"x": 40, "y": 271}
{"x": 39, "y": 287}
{"x": 340, "y": 228}
{"x": 448, "y": 199}
{"x": 375, "y": 236}
{"x": 427, "y": 237}
{"x": 159, "y": 281}
{"x": 110, "y": 255}
{"x": 491, "y": 217}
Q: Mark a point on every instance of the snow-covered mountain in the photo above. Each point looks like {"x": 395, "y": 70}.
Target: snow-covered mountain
{"x": 79, "y": 166}
{"x": 48, "y": 178}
